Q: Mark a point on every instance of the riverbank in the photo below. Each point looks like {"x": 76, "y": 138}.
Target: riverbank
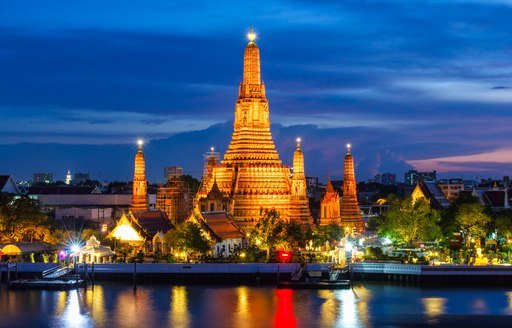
{"x": 271, "y": 273}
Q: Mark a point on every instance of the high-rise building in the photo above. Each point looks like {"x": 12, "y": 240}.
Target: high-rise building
{"x": 140, "y": 185}
{"x": 411, "y": 177}
{"x": 43, "y": 178}
{"x": 386, "y": 178}
{"x": 351, "y": 218}
{"x": 251, "y": 173}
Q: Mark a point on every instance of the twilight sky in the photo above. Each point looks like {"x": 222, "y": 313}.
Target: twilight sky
{"x": 424, "y": 84}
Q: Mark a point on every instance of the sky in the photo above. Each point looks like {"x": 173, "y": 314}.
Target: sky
{"x": 410, "y": 84}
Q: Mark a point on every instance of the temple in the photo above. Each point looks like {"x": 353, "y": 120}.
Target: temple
{"x": 330, "y": 206}
{"x": 251, "y": 177}
{"x": 351, "y": 218}
{"x": 140, "y": 186}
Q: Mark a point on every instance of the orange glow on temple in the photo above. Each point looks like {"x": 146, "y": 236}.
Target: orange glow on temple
{"x": 251, "y": 175}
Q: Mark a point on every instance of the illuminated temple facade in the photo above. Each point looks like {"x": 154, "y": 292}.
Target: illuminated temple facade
{"x": 330, "y": 206}
{"x": 251, "y": 176}
{"x": 351, "y": 218}
{"x": 140, "y": 186}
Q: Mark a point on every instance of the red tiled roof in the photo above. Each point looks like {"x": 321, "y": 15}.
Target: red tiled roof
{"x": 222, "y": 225}
{"x": 153, "y": 221}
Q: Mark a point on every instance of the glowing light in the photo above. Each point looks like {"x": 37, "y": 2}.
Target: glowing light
{"x": 349, "y": 145}
{"x": 212, "y": 149}
{"x": 299, "y": 140}
{"x": 126, "y": 232}
{"x": 348, "y": 247}
{"x": 242, "y": 255}
{"x": 251, "y": 35}
{"x": 75, "y": 248}
{"x": 140, "y": 142}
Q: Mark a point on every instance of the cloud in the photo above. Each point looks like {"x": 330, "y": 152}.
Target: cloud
{"x": 463, "y": 163}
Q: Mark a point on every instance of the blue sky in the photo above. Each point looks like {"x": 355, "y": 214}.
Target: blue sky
{"x": 409, "y": 83}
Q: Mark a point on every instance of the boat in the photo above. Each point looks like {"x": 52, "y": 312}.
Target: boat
{"x": 52, "y": 284}
{"x": 335, "y": 278}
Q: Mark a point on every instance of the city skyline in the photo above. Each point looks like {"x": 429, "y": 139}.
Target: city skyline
{"x": 423, "y": 84}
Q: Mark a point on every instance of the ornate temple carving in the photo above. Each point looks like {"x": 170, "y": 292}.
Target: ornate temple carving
{"x": 251, "y": 175}
{"x": 330, "y": 206}
{"x": 140, "y": 185}
{"x": 351, "y": 217}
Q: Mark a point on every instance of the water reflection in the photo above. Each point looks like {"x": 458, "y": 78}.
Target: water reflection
{"x": 131, "y": 307}
{"x": 179, "y": 315}
{"x": 434, "y": 306}
{"x": 70, "y": 312}
{"x": 375, "y": 305}
{"x": 284, "y": 316}
{"x": 243, "y": 313}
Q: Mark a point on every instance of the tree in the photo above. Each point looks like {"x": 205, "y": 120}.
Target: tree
{"x": 267, "y": 233}
{"x": 473, "y": 221}
{"x": 22, "y": 220}
{"x": 188, "y": 238}
{"x": 330, "y": 233}
{"x": 291, "y": 236}
{"x": 407, "y": 221}
{"x": 504, "y": 223}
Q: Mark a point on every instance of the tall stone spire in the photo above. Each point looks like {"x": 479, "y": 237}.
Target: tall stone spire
{"x": 140, "y": 191}
{"x": 350, "y": 213}
{"x": 252, "y": 141}
{"x": 251, "y": 175}
{"x": 298, "y": 177}
{"x": 299, "y": 203}
{"x": 330, "y": 206}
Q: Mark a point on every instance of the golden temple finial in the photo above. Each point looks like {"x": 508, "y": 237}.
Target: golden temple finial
{"x": 212, "y": 151}
{"x": 251, "y": 35}
{"x": 252, "y": 74}
{"x": 140, "y": 142}
{"x": 299, "y": 140}
{"x": 348, "y": 148}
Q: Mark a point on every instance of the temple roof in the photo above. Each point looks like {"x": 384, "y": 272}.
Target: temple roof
{"x": 153, "y": 221}
{"x": 222, "y": 225}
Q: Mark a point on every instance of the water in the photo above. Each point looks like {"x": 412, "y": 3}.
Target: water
{"x": 369, "y": 305}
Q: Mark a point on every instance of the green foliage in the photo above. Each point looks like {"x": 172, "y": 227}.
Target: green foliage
{"x": 292, "y": 236}
{"x": 504, "y": 223}
{"x": 191, "y": 182}
{"x": 268, "y": 232}
{"x": 188, "y": 238}
{"x": 22, "y": 220}
{"x": 407, "y": 221}
{"x": 331, "y": 233}
{"x": 473, "y": 221}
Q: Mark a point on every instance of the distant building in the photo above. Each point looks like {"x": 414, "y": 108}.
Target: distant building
{"x": 43, "y": 178}
{"x": 412, "y": 177}
{"x": 172, "y": 172}
{"x": 451, "y": 187}
{"x": 386, "y": 178}
{"x": 8, "y": 185}
{"x": 79, "y": 177}
{"x": 430, "y": 191}
{"x": 68, "y": 178}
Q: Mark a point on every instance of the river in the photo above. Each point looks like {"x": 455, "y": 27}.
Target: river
{"x": 367, "y": 305}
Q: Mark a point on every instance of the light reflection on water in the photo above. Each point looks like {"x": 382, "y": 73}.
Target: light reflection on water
{"x": 371, "y": 305}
